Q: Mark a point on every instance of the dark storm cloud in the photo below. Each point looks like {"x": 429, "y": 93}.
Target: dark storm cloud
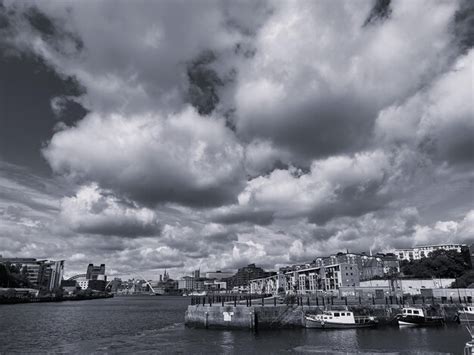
{"x": 463, "y": 26}
{"x": 129, "y": 229}
{"x": 270, "y": 132}
{"x": 316, "y": 129}
{"x": 241, "y": 215}
{"x": 380, "y": 12}
{"x": 351, "y": 201}
{"x": 203, "y": 83}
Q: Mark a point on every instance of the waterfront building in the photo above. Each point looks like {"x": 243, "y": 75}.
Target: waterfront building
{"x": 54, "y": 271}
{"x": 245, "y": 274}
{"x": 186, "y": 283}
{"x": 307, "y": 279}
{"x": 218, "y": 275}
{"x": 369, "y": 266}
{"x": 83, "y": 283}
{"x": 42, "y": 274}
{"x": 215, "y": 285}
{"x": 409, "y": 286}
{"x": 424, "y": 251}
{"x": 93, "y": 272}
{"x": 95, "y": 275}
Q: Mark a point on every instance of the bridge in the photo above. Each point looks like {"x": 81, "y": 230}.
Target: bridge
{"x": 141, "y": 277}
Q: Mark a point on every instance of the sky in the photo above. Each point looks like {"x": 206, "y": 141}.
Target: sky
{"x": 213, "y": 134}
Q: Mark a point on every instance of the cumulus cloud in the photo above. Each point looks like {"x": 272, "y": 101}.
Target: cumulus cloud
{"x": 437, "y": 120}
{"x": 93, "y": 211}
{"x": 259, "y": 132}
{"x": 340, "y": 185}
{"x": 315, "y": 85}
{"x": 184, "y": 158}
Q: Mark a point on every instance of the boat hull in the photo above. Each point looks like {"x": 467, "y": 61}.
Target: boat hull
{"x": 420, "y": 321}
{"x": 465, "y": 317}
{"x": 333, "y": 325}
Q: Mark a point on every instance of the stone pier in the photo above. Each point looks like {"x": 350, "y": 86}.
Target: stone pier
{"x": 287, "y": 316}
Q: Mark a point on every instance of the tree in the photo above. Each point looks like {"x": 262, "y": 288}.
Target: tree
{"x": 440, "y": 263}
{"x": 464, "y": 281}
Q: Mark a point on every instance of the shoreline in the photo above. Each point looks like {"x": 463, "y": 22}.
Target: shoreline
{"x": 18, "y": 300}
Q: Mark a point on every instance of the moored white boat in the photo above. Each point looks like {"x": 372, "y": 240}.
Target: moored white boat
{"x": 339, "y": 320}
{"x": 466, "y": 314}
{"x": 417, "y": 317}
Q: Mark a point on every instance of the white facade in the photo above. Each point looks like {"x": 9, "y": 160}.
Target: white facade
{"x": 417, "y": 253}
{"x": 412, "y": 287}
{"x": 83, "y": 283}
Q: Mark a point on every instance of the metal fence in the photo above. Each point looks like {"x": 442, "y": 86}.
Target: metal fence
{"x": 311, "y": 300}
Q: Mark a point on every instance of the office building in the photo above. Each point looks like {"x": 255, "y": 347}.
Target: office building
{"x": 424, "y": 251}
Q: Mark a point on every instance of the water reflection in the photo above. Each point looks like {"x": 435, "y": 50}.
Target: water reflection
{"x": 155, "y": 325}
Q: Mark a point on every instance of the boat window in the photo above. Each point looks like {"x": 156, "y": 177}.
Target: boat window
{"x": 409, "y": 311}
{"x": 343, "y": 314}
{"x": 336, "y": 314}
{"x": 416, "y": 312}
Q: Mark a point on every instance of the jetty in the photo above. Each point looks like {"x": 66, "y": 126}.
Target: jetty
{"x": 254, "y": 312}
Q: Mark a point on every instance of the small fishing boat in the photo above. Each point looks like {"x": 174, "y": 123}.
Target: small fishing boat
{"x": 339, "y": 320}
{"x": 465, "y": 314}
{"x": 417, "y": 317}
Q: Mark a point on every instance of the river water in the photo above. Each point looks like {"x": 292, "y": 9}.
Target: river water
{"x": 148, "y": 324}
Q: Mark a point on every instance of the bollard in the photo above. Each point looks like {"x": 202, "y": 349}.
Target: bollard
{"x": 235, "y": 301}
{"x": 308, "y": 300}
{"x": 203, "y": 300}
{"x": 317, "y": 301}
{"x": 274, "y": 301}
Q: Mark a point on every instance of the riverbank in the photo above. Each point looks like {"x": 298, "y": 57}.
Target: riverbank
{"x": 16, "y": 300}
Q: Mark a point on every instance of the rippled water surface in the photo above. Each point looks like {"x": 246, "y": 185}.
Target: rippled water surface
{"x": 155, "y": 325}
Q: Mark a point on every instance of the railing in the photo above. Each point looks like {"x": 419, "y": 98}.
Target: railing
{"x": 312, "y": 300}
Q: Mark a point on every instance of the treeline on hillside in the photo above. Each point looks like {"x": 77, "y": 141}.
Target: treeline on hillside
{"x": 441, "y": 264}
{"x": 11, "y": 276}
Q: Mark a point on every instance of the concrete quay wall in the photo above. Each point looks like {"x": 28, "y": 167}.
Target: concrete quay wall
{"x": 291, "y": 316}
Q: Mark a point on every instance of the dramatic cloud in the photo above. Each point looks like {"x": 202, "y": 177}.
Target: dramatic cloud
{"x": 183, "y": 158}
{"x": 316, "y": 84}
{"x": 213, "y": 134}
{"x": 335, "y": 186}
{"x": 437, "y": 120}
{"x": 92, "y": 211}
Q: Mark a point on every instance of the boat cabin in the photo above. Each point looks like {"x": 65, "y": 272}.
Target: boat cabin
{"x": 342, "y": 317}
{"x": 338, "y": 316}
{"x": 411, "y": 311}
{"x": 467, "y": 309}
